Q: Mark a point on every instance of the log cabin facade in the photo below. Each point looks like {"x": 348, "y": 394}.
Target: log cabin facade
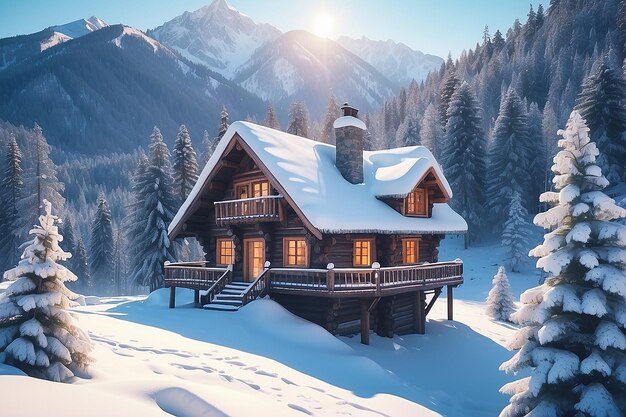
{"x": 343, "y": 237}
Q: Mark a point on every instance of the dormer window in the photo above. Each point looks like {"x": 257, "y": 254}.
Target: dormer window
{"x": 416, "y": 203}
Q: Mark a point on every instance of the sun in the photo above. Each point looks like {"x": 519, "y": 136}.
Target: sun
{"x": 324, "y": 25}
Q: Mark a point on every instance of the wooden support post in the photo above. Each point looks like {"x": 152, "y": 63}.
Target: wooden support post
{"x": 196, "y": 297}
{"x": 450, "y": 303}
{"x": 419, "y": 318}
{"x": 172, "y": 297}
{"x": 365, "y": 322}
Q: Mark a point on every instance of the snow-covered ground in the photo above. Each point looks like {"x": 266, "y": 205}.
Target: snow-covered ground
{"x": 152, "y": 361}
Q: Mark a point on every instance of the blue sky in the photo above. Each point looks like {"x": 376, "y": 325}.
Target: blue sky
{"x": 434, "y": 26}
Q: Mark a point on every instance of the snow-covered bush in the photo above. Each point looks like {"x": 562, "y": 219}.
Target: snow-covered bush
{"x": 515, "y": 234}
{"x": 572, "y": 337}
{"x": 37, "y": 334}
{"x": 500, "y": 302}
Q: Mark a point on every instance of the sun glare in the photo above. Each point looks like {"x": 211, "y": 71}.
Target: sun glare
{"x": 324, "y": 25}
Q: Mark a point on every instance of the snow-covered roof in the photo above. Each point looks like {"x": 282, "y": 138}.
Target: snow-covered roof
{"x": 306, "y": 170}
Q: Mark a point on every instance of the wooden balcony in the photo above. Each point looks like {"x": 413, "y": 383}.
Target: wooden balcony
{"x": 365, "y": 282}
{"x": 249, "y": 210}
{"x": 333, "y": 282}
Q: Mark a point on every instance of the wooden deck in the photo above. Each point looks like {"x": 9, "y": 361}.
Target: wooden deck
{"x": 368, "y": 285}
{"x": 249, "y": 210}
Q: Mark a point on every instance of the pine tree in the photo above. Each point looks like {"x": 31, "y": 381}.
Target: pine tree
{"x": 516, "y": 234}
{"x": 572, "y": 338}
{"x": 298, "y": 119}
{"x": 81, "y": 267}
{"x": 332, "y": 113}
{"x": 431, "y": 132}
{"x": 136, "y": 220}
{"x": 158, "y": 209}
{"x": 208, "y": 146}
{"x": 537, "y": 152}
{"x": 500, "y": 301}
{"x": 37, "y": 334}
{"x": 270, "y": 118}
{"x": 408, "y": 133}
{"x": 101, "y": 249}
{"x": 508, "y": 158}
{"x": 40, "y": 182}
{"x": 185, "y": 164}
{"x": 465, "y": 158}
{"x": 67, "y": 230}
{"x": 224, "y": 123}
{"x": 448, "y": 87}
{"x": 12, "y": 185}
{"x": 601, "y": 104}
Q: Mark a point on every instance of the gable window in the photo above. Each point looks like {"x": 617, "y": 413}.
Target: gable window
{"x": 362, "y": 252}
{"x": 410, "y": 251}
{"x": 260, "y": 189}
{"x": 417, "y": 202}
{"x": 225, "y": 252}
{"x": 295, "y": 252}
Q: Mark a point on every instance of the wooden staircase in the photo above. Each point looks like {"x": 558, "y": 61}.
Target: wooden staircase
{"x": 230, "y": 298}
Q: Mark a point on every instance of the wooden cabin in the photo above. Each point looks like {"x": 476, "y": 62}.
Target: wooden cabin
{"x": 343, "y": 237}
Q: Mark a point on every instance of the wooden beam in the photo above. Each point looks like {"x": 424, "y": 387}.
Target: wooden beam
{"x": 365, "y": 322}
{"x": 432, "y": 301}
{"x": 419, "y": 318}
{"x": 450, "y": 303}
{"x": 227, "y": 164}
{"x": 172, "y": 297}
{"x": 196, "y": 297}
{"x": 374, "y": 303}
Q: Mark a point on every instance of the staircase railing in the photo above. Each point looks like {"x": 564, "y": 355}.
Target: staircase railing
{"x": 218, "y": 286}
{"x": 259, "y": 287}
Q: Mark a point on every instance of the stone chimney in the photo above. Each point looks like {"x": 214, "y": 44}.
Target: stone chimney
{"x": 349, "y": 132}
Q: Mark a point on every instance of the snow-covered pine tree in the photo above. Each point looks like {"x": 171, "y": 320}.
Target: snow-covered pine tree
{"x": 12, "y": 184}
{"x": 538, "y": 152}
{"x": 224, "y": 123}
{"x": 500, "y": 301}
{"x": 516, "y": 234}
{"x": 507, "y": 170}
{"x": 81, "y": 267}
{"x": 448, "y": 87}
{"x": 136, "y": 222}
{"x": 298, "y": 119}
{"x": 431, "y": 132}
{"x": 572, "y": 338}
{"x": 37, "y": 334}
{"x": 270, "y": 118}
{"x": 158, "y": 209}
{"x": 601, "y": 104}
{"x": 66, "y": 229}
{"x": 208, "y": 147}
{"x": 101, "y": 248}
{"x": 185, "y": 164}
{"x": 332, "y": 113}
{"x": 465, "y": 156}
{"x": 408, "y": 133}
{"x": 40, "y": 182}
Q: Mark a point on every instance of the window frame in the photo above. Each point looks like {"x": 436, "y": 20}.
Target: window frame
{"x": 372, "y": 252}
{"x": 286, "y": 255}
{"x": 218, "y": 250}
{"x": 416, "y": 240}
{"x": 413, "y": 194}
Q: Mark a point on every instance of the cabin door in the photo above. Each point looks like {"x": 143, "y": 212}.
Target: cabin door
{"x": 253, "y": 258}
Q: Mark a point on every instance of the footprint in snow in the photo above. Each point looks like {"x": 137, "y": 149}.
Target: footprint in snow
{"x": 300, "y": 408}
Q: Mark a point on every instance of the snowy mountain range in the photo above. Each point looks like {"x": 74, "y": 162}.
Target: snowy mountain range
{"x": 397, "y": 61}
{"x": 200, "y": 61}
{"x": 299, "y": 65}
{"x": 217, "y": 36}
{"x": 104, "y": 91}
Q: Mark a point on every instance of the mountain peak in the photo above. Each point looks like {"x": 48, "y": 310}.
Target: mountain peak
{"x": 80, "y": 27}
{"x": 217, "y": 36}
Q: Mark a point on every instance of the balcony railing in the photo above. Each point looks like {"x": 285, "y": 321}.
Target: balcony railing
{"x": 248, "y": 210}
